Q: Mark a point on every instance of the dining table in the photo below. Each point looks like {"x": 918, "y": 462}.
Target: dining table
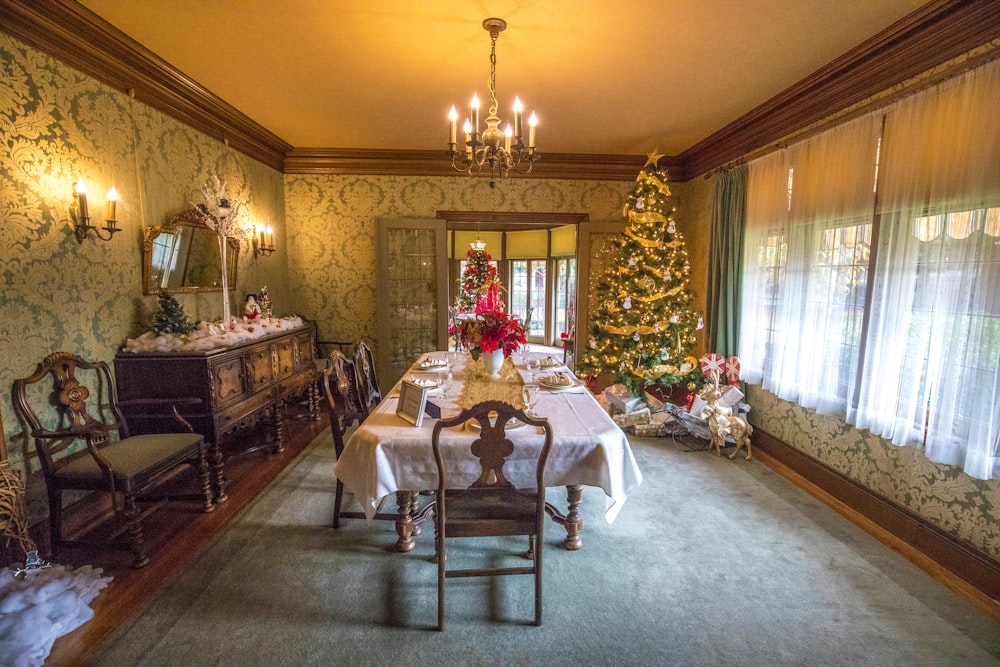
{"x": 387, "y": 454}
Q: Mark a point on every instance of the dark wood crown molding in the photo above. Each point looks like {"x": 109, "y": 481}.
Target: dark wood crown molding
{"x": 435, "y": 163}
{"x": 933, "y": 34}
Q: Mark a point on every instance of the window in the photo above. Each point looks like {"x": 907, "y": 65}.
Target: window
{"x": 882, "y": 304}
{"x": 527, "y": 294}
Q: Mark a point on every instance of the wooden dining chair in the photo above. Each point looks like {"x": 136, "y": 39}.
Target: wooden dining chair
{"x": 364, "y": 366}
{"x": 343, "y": 400}
{"x": 81, "y": 406}
{"x": 492, "y": 505}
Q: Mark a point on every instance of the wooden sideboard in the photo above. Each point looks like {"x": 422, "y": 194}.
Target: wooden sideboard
{"x": 238, "y": 385}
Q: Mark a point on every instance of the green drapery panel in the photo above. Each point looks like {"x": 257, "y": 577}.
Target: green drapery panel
{"x": 722, "y": 334}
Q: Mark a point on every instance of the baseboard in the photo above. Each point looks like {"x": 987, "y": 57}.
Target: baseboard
{"x": 956, "y": 564}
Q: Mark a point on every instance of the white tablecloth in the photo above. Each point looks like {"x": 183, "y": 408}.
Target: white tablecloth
{"x": 386, "y": 454}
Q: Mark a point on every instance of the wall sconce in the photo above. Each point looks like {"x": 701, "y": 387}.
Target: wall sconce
{"x": 263, "y": 240}
{"x": 81, "y": 215}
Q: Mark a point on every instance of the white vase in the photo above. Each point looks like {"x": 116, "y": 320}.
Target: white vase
{"x": 492, "y": 361}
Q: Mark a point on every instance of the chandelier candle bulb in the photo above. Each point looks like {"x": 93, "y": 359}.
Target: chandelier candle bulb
{"x": 532, "y": 122}
{"x": 453, "y": 126}
{"x": 518, "y": 129}
{"x": 270, "y": 237}
{"x": 112, "y": 205}
{"x": 81, "y": 199}
{"x": 475, "y": 113}
{"x": 508, "y": 134}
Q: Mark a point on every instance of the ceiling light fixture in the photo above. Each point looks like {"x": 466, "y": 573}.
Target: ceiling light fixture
{"x": 498, "y": 150}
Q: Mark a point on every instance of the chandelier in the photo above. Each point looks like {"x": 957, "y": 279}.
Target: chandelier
{"x": 497, "y": 150}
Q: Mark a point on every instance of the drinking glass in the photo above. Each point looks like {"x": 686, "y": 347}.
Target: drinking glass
{"x": 533, "y": 365}
{"x": 529, "y": 394}
{"x": 446, "y": 385}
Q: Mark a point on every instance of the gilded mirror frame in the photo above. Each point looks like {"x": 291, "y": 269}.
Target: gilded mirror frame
{"x": 187, "y": 219}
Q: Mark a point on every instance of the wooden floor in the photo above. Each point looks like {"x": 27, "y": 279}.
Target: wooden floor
{"x": 176, "y": 535}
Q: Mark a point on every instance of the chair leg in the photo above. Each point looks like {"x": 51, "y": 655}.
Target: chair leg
{"x": 131, "y": 512}
{"x": 55, "y": 522}
{"x": 337, "y": 500}
{"x": 206, "y": 480}
{"x": 439, "y": 552}
{"x": 538, "y": 581}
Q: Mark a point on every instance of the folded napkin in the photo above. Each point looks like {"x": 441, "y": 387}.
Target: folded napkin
{"x": 433, "y": 363}
{"x": 421, "y": 382}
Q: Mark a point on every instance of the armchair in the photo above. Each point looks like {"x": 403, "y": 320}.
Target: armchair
{"x": 82, "y": 405}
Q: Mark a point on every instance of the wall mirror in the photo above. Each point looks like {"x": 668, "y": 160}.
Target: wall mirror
{"x": 183, "y": 256}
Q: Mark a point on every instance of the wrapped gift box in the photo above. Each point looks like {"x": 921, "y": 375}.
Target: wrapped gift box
{"x": 634, "y": 418}
{"x": 623, "y": 400}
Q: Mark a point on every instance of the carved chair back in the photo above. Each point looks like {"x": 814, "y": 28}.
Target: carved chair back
{"x": 364, "y": 366}
{"x": 491, "y": 505}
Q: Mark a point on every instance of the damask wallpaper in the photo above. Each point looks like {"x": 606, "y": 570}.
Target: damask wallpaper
{"x": 58, "y": 125}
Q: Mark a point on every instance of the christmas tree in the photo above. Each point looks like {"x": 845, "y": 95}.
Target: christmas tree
{"x": 643, "y": 327}
{"x": 479, "y": 285}
{"x": 171, "y": 318}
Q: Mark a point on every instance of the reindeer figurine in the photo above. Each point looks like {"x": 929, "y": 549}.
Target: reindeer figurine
{"x": 721, "y": 423}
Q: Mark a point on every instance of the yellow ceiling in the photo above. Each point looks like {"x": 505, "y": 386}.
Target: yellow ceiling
{"x": 604, "y": 77}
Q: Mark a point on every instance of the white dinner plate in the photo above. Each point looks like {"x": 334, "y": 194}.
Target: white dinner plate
{"x": 473, "y": 424}
{"x": 544, "y": 382}
{"x": 550, "y": 364}
{"x": 426, "y": 384}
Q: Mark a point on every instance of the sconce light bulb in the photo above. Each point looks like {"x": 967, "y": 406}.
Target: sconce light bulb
{"x": 80, "y": 188}
{"x": 453, "y": 114}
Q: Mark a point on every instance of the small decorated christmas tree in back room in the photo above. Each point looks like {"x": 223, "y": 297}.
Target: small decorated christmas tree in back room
{"x": 171, "y": 318}
{"x": 479, "y": 288}
{"x": 643, "y": 327}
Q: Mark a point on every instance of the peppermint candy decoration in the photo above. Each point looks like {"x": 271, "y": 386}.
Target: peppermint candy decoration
{"x": 733, "y": 370}
{"x": 713, "y": 365}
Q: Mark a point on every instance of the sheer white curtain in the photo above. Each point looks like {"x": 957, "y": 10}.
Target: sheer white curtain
{"x": 809, "y": 211}
{"x": 931, "y": 370}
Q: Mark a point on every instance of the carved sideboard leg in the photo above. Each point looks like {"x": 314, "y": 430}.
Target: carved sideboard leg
{"x": 314, "y": 401}
{"x": 205, "y": 476}
{"x": 278, "y": 416}
{"x": 218, "y": 475}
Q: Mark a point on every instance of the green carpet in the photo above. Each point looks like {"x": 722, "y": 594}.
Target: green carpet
{"x": 711, "y": 562}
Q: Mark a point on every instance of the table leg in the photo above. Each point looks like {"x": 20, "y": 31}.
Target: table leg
{"x": 404, "y": 524}
{"x": 571, "y": 521}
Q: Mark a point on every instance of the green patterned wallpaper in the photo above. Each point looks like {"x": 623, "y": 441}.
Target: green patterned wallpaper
{"x": 58, "y": 125}
{"x": 332, "y": 249}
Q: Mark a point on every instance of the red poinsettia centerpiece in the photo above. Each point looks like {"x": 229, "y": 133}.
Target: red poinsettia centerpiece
{"x": 491, "y": 330}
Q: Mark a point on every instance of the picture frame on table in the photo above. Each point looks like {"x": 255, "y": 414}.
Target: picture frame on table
{"x": 412, "y": 401}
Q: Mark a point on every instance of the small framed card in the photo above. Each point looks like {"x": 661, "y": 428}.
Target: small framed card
{"x": 412, "y": 399}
